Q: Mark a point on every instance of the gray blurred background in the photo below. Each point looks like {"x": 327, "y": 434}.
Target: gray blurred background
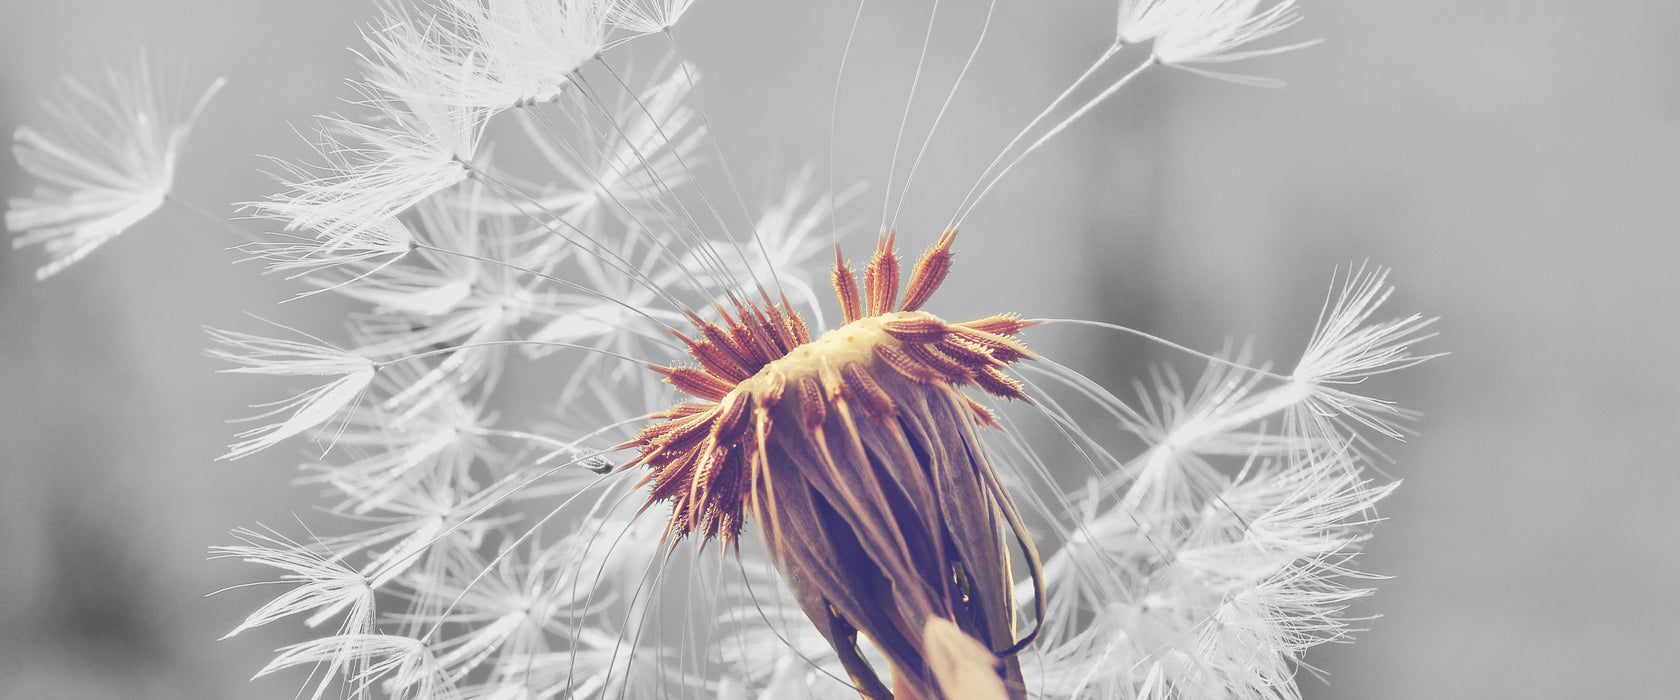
{"x": 1517, "y": 162}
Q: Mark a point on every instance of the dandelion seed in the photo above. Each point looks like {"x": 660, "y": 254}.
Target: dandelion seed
{"x": 648, "y": 16}
{"x": 323, "y": 586}
{"x": 515, "y": 607}
{"x": 494, "y": 300}
{"x": 381, "y": 244}
{"x": 110, "y": 164}
{"x": 401, "y": 454}
{"x": 1345, "y": 350}
{"x": 1191, "y": 33}
{"x": 328, "y": 587}
{"x": 414, "y": 146}
{"x": 1185, "y": 429}
{"x": 404, "y": 666}
{"x": 492, "y": 55}
{"x": 423, "y": 515}
{"x": 450, "y": 240}
{"x": 273, "y": 356}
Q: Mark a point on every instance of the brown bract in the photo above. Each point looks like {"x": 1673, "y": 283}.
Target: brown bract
{"x": 858, "y": 454}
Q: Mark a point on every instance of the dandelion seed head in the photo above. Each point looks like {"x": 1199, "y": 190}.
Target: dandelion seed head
{"x": 878, "y": 457}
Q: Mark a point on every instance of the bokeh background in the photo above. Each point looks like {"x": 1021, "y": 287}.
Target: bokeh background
{"x": 1517, "y": 162}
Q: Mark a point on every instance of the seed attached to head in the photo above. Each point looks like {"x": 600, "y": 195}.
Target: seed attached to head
{"x": 859, "y": 455}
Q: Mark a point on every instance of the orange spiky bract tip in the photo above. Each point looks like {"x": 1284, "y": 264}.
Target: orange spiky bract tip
{"x": 858, "y": 453}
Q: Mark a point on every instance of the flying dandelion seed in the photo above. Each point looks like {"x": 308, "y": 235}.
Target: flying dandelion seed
{"x": 110, "y": 164}
{"x": 900, "y": 509}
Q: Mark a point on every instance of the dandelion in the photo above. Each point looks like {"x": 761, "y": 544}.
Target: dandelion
{"x": 110, "y": 164}
{"x": 880, "y": 524}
